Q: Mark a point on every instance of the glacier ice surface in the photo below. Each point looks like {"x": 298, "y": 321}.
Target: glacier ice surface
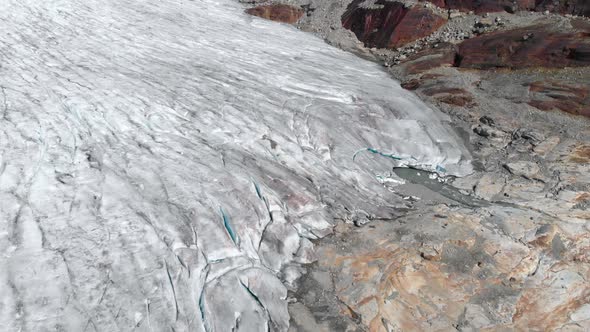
{"x": 166, "y": 163}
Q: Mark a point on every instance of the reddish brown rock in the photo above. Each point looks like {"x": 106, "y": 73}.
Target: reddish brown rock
{"x": 457, "y": 100}
{"x": 390, "y": 25}
{"x": 581, "y": 155}
{"x": 277, "y": 12}
{"x": 447, "y": 272}
{"x": 575, "y": 7}
{"x": 438, "y": 3}
{"x": 444, "y": 55}
{"x": 451, "y": 96}
{"x": 443, "y": 90}
{"x": 544, "y": 236}
{"x": 581, "y": 24}
{"x": 415, "y": 83}
{"x": 535, "y": 46}
{"x": 412, "y": 84}
{"x": 574, "y": 99}
{"x": 485, "y": 6}
{"x": 430, "y": 76}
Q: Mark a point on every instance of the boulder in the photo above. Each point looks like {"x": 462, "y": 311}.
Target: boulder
{"x": 526, "y": 169}
{"x": 390, "y": 24}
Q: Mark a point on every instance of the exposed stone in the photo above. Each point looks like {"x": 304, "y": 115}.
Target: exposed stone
{"x": 484, "y": 6}
{"x": 430, "y": 76}
{"x": 390, "y": 24}
{"x": 575, "y": 7}
{"x": 527, "y": 134}
{"x": 581, "y": 24}
{"x": 484, "y": 22}
{"x": 481, "y": 279}
{"x": 582, "y": 314}
{"x": 544, "y": 48}
{"x": 431, "y": 253}
{"x": 487, "y": 120}
{"x": 488, "y": 132}
{"x": 443, "y": 55}
{"x": 452, "y": 96}
{"x": 412, "y": 84}
{"x": 574, "y": 99}
{"x": 536, "y": 46}
{"x": 543, "y": 236}
{"x": 526, "y": 169}
{"x": 489, "y": 186}
{"x": 547, "y": 145}
{"x": 302, "y": 320}
{"x": 581, "y": 154}
{"x": 277, "y": 12}
{"x": 455, "y": 14}
{"x": 457, "y": 100}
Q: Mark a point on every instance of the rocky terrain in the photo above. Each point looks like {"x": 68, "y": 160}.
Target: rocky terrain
{"x": 506, "y": 248}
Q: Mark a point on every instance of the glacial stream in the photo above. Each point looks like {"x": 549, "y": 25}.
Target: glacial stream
{"x": 165, "y": 164}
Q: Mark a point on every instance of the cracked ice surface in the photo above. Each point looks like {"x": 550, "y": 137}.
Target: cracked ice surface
{"x": 164, "y": 164}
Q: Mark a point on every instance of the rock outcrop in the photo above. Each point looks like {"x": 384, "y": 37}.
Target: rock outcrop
{"x": 536, "y": 46}
{"x": 389, "y": 24}
{"x": 450, "y": 95}
{"x": 443, "y": 55}
{"x": 484, "y": 6}
{"x": 575, "y": 7}
{"x": 277, "y": 12}
{"x": 551, "y": 95}
{"x": 530, "y": 47}
{"x": 450, "y": 269}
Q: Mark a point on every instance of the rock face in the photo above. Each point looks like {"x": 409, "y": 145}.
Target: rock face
{"x": 484, "y": 6}
{"x": 525, "y": 169}
{"x": 551, "y": 95}
{"x": 450, "y": 269}
{"x": 389, "y": 24}
{"x": 575, "y": 7}
{"x": 443, "y": 55}
{"x": 451, "y": 96}
{"x": 277, "y": 12}
{"x": 536, "y": 46}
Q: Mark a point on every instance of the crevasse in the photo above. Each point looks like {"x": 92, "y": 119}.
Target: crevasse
{"x": 164, "y": 164}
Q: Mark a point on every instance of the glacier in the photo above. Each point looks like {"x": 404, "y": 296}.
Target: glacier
{"x": 166, "y": 164}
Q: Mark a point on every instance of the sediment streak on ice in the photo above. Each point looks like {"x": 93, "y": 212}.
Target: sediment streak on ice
{"x": 165, "y": 163}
